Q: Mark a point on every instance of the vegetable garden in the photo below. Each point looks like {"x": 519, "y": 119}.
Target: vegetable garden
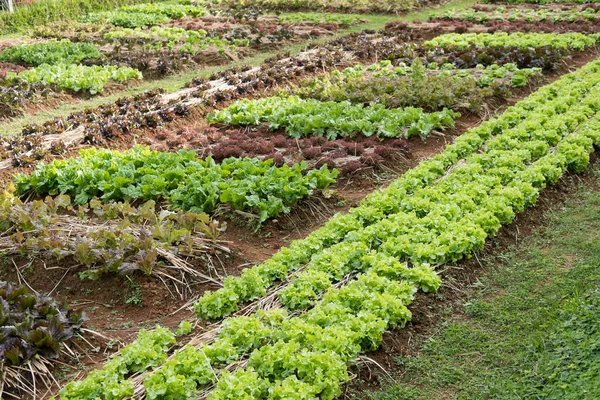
{"x": 256, "y": 231}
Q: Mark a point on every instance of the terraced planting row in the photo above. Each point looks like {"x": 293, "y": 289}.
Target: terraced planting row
{"x": 275, "y": 220}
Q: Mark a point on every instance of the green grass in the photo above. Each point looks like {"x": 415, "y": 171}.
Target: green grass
{"x": 531, "y": 329}
{"x": 175, "y": 82}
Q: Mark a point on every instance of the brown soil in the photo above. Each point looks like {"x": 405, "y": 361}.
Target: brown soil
{"x": 10, "y": 42}
{"x": 109, "y": 301}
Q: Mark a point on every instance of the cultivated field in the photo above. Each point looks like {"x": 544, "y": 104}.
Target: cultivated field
{"x": 239, "y": 200}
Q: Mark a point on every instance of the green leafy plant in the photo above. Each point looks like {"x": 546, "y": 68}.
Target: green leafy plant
{"x": 175, "y": 11}
{"x": 78, "y": 78}
{"x": 573, "y": 41}
{"x": 318, "y": 18}
{"x": 430, "y": 87}
{"x": 62, "y": 52}
{"x": 184, "y": 180}
{"x": 311, "y": 117}
{"x": 44, "y": 11}
{"x": 126, "y": 19}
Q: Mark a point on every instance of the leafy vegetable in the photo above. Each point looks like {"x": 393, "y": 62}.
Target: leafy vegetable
{"x": 185, "y": 181}
{"x": 175, "y": 11}
{"x": 77, "y": 78}
{"x": 116, "y": 238}
{"x": 310, "y": 117}
{"x": 126, "y": 19}
{"x": 143, "y": 15}
{"x": 32, "y": 325}
{"x": 430, "y": 87}
{"x": 63, "y": 52}
{"x": 574, "y": 41}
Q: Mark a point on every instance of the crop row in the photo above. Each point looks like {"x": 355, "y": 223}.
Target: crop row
{"x": 539, "y": 55}
{"x": 106, "y": 238}
{"x": 305, "y": 118}
{"x": 185, "y": 181}
{"x": 438, "y": 212}
{"x": 526, "y": 14}
{"x": 346, "y": 155}
{"x": 349, "y": 6}
{"x": 481, "y": 18}
{"x": 432, "y": 87}
{"x": 77, "y": 78}
{"x": 319, "y": 18}
{"x": 63, "y": 52}
{"x": 143, "y": 15}
{"x": 571, "y": 41}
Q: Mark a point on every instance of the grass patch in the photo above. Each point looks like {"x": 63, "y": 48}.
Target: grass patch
{"x": 531, "y": 330}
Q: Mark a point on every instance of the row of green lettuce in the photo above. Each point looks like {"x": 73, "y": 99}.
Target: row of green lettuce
{"x": 571, "y": 41}
{"x": 439, "y": 212}
{"x": 184, "y": 180}
{"x": 148, "y": 14}
{"x": 310, "y": 117}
